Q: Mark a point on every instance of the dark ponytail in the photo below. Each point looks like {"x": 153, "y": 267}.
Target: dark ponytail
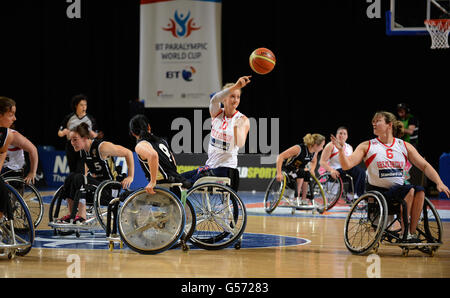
{"x": 138, "y": 125}
{"x": 83, "y": 130}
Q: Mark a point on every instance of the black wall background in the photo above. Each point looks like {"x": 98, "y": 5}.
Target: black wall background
{"x": 334, "y": 67}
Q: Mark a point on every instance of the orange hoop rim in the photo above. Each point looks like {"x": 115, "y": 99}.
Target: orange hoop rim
{"x": 445, "y": 23}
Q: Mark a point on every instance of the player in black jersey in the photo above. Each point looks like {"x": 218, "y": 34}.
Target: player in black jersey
{"x": 156, "y": 158}
{"x": 294, "y": 160}
{"x": 99, "y": 166}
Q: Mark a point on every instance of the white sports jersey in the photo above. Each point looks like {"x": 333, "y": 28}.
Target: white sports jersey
{"x": 222, "y": 150}
{"x": 386, "y": 163}
{"x": 334, "y": 157}
{"x": 15, "y": 159}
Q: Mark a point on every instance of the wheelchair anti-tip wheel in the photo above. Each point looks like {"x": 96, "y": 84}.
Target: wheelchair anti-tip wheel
{"x": 365, "y": 223}
{"x": 220, "y": 214}
{"x": 151, "y": 223}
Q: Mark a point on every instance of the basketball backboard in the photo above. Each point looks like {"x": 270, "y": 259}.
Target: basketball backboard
{"x": 406, "y": 17}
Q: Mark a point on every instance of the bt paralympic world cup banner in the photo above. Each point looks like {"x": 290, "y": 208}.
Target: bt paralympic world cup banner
{"x": 180, "y": 52}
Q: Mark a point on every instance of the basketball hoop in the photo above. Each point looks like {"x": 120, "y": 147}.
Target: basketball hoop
{"x": 439, "y": 30}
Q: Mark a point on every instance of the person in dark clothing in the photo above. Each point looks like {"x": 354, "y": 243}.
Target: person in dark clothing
{"x": 156, "y": 158}
{"x": 79, "y": 115}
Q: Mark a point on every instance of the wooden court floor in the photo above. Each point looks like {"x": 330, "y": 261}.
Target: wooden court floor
{"x": 324, "y": 256}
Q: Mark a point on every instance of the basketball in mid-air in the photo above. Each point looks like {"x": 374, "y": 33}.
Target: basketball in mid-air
{"x": 262, "y": 61}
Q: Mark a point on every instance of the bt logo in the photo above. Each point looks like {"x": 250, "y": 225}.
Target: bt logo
{"x": 181, "y": 26}
{"x": 186, "y": 74}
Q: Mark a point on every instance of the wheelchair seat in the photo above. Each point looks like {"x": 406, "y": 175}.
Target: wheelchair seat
{"x": 232, "y": 175}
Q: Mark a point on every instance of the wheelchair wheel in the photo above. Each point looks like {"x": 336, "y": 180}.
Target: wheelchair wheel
{"x": 150, "y": 224}
{"x": 429, "y": 227}
{"x": 22, "y": 223}
{"x": 220, "y": 214}
{"x": 317, "y": 195}
{"x": 365, "y": 223}
{"x": 332, "y": 188}
{"x": 189, "y": 228}
{"x": 31, "y": 197}
{"x": 274, "y": 194}
{"x": 58, "y": 206}
{"x": 104, "y": 193}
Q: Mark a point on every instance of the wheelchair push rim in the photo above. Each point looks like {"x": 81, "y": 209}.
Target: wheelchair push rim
{"x": 31, "y": 196}
{"x": 100, "y": 206}
{"x": 365, "y": 223}
{"x": 150, "y": 224}
{"x": 333, "y": 189}
{"x": 274, "y": 194}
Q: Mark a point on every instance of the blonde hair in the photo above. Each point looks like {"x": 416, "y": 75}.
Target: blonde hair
{"x": 313, "y": 139}
{"x": 228, "y": 85}
{"x": 398, "y": 130}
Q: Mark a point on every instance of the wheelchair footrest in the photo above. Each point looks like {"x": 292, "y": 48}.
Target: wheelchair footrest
{"x": 299, "y": 207}
{"x": 71, "y": 226}
{"x": 406, "y": 244}
{"x": 305, "y": 207}
{"x": 13, "y": 246}
{"x": 114, "y": 238}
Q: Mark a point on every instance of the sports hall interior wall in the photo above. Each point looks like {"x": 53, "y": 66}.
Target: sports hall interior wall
{"x": 334, "y": 67}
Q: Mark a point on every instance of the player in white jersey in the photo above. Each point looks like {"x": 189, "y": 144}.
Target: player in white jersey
{"x": 229, "y": 130}
{"x": 7, "y": 118}
{"x": 329, "y": 160}
{"x": 385, "y": 158}
{"x": 14, "y": 160}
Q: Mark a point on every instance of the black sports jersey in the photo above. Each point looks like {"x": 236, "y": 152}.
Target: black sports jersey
{"x": 167, "y": 167}
{"x": 300, "y": 161}
{"x": 3, "y": 136}
{"x": 102, "y": 169}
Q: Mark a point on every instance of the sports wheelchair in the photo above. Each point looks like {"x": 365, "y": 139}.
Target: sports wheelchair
{"x": 281, "y": 194}
{"x": 210, "y": 215}
{"x": 16, "y": 232}
{"x": 97, "y": 198}
{"x": 221, "y": 215}
{"x": 335, "y": 189}
{"x": 371, "y": 222}
{"x": 150, "y": 223}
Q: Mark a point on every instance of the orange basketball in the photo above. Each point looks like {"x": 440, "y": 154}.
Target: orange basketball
{"x": 262, "y": 61}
